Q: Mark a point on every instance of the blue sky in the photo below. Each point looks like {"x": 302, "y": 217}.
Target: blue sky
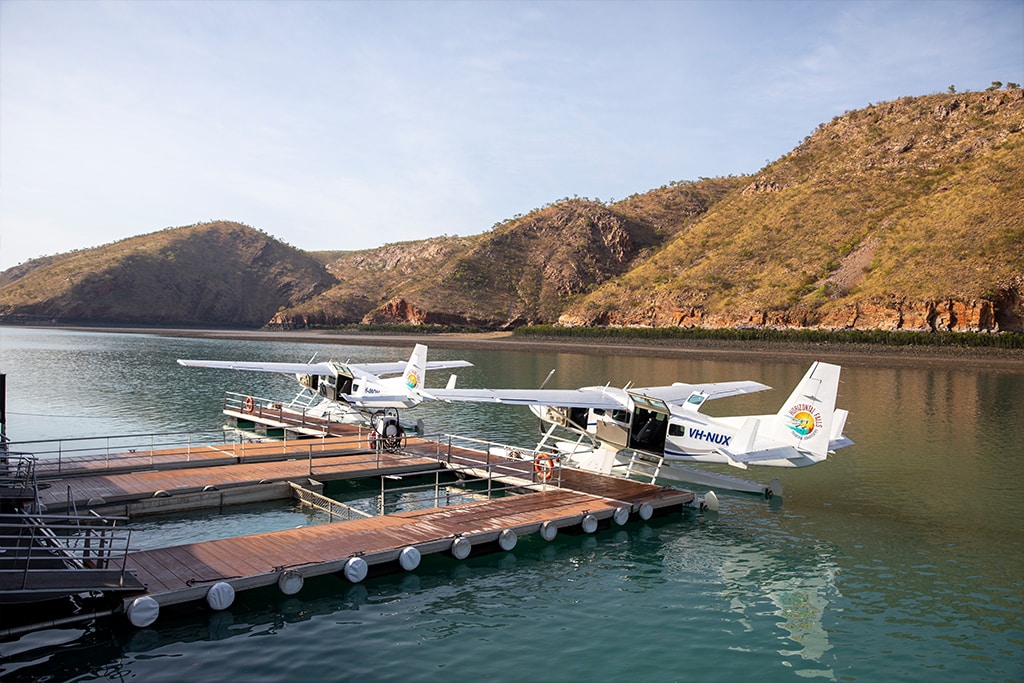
{"x": 348, "y": 125}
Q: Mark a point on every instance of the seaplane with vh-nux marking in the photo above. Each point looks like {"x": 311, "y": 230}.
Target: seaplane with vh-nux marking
{"x": 645, "y": 432}
{"x": 355, "y": 392}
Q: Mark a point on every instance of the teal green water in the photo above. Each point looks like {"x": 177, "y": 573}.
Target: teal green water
{"x": 900, "y": 558}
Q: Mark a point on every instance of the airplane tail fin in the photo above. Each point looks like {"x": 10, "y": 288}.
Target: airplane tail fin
{"x": 807, "y": 418}
{"x": 416, "y": 368}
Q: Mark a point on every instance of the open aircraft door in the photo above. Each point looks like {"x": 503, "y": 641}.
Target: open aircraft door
{"x": 649, "y": 425}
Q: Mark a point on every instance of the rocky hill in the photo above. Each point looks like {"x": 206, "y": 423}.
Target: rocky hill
{"x": 902, "y": 215}
{"x": 216, "y": 273}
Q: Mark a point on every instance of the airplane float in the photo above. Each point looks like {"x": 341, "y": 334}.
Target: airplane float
{"x": 632, "y": 431}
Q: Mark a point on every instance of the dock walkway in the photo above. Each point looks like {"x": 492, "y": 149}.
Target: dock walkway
{"x": 528, "y": 500}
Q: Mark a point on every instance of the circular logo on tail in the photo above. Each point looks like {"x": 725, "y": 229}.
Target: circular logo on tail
{"x": 411, "y": 380}
{"x": 804, "y": 420}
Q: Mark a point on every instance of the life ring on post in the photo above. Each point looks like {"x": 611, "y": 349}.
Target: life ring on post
{"x": 249, "y": 404}
{"x": 543, "y": 465}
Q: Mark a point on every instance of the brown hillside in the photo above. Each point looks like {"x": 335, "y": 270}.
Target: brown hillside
{"x": 367, "y": 279}
{"x": 525, "y": 270}
{"x": 215, "y": 273}
{"x": 906, "y": 215}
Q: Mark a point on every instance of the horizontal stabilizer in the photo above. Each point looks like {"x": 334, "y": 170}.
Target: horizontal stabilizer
{"x": 748, "y": 434}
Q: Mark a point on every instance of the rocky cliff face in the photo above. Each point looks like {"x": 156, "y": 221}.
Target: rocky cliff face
{"x": 1004, "y": 314}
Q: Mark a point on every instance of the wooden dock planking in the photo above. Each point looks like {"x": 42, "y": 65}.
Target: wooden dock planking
{"x": 258, "y": 559}
{"x": 114, "y": 488}
{"x": 199, "y": 455}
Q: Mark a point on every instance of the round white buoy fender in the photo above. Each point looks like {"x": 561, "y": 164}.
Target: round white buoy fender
{"x": 589, "y": 524}
{"x": 548, "y": 531}
{"x": 621, "y": 515}
{"x": 646, "y": 511}
{"x": 356, "y": 569}
{"x": 711, "y": 501}
{"x": 461, "y": 547}
{"x": 507, "y": 539}
{"x": 143, "y": 611}
{"x": 290, "y": 582}
{"x": 220, "y": 596}
{"x": 409, "y": 558}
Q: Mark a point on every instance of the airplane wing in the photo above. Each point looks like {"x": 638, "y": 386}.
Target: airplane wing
{"x": 676, "y": 394}
{"x": 318, "y": 368}
{"x": 257, "y": 366}
{"x": 594, "y": 397}
{"x": 577, "y": 398}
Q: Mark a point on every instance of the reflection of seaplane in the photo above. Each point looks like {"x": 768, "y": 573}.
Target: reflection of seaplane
{"x": 355, "y": 391}
{"x": 647, "y": 431}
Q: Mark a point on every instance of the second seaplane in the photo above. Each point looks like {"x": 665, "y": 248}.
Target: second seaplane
{"x": 354, "y": 392}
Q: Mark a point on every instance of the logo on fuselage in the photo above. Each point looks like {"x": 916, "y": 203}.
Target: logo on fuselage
{"x": 803, "y": 420}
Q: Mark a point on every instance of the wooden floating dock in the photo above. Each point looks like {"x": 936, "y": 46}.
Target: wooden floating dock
{"x": 158, "y": 480}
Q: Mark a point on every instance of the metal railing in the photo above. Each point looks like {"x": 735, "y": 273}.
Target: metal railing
{"x": 131, "y": 452}
{"x": 17, "y": 471}
{"x": 34, "y": 545}
{"x": 503, "y": 460}
{"x": 92, "y": 453}
{"x": 307, "y": 416}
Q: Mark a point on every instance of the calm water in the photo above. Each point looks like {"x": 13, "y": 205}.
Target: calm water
{"x": 901, "y": 558}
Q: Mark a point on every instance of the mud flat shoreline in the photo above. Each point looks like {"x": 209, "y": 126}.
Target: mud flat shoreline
{"x": 846, "y": 353}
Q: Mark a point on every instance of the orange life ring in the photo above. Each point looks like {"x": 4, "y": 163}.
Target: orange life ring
{"x": 249, "y": 405}
{"x": 543, "y": 466}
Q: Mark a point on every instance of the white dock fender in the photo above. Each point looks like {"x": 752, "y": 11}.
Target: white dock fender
{"x": 143, "y": 611}
{"x": 507, "y": 539}
{"x": 220, "y": 596}
{"x": 356, "y": 569}
{"x": 646, "y": 511}
{"x": 711, "y": 501}
{"x": 548, "y": 530}
{"x": 589, "y": 523}
{"x": 461, "y": 548}
{"x": 621, "y": 515}
{"x": 409, "y": 558}
{"x": 290, "y": 582}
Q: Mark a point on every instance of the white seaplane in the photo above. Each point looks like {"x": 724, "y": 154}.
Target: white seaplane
{"x": 649, "y": 431}
{"x": 360, "y": 392}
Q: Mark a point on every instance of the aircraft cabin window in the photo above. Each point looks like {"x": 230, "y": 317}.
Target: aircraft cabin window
{"x": 676, "y": 430}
